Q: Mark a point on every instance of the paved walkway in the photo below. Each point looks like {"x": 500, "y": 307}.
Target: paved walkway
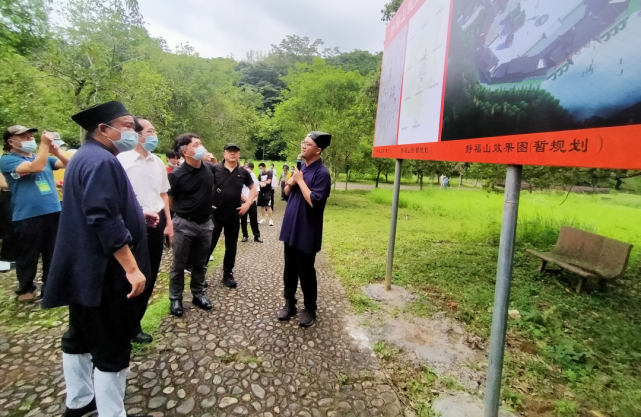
{"x": 235, "y": 360}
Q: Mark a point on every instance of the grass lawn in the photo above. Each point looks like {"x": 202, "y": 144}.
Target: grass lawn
{"x": 568, "y": 351}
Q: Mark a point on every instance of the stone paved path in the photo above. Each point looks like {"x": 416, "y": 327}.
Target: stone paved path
{"x": 235, "y": 360}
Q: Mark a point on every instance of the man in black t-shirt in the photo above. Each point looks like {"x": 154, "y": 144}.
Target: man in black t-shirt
{"x": 228, "y": 206}
{"x": 190, "y": 198}
{"x": 265, "y": 196}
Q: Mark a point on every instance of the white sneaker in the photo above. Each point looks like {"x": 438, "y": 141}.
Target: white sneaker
{"x": 4, "y": 266}
{"x": 271, "y": 222}
{"x": 262, "y": 221}
{"x": 211, "y": 259}
{"x": 187, "y": 272}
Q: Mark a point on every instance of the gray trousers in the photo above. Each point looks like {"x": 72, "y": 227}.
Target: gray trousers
{"x": 195, "y": 239}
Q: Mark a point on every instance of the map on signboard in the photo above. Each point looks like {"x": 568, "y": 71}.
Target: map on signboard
{"x": 424, "y": 73}
{"x": 543, "y": 66}
{"x": 390, "y": 91}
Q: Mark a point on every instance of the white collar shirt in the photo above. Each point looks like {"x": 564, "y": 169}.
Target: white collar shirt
{"x": 245, "y": 191}
{"x": 148, "y": 177}
{"x": 274, "y": 178}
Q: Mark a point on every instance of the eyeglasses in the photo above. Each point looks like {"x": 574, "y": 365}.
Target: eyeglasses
{"x": 306, "y": 144}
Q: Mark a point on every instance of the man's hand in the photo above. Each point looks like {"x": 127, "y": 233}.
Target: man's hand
{"x": 46, "y": 138}
{"x": 244, "y": 208}
{"x": 291, "y": 182}
{"x": 243, "y": 198}
{"x": 54, "y": 150}
{"x": 297, "y": 177}
{"x": 151, "y": 218}
{"x": 169, "y": 232}
{"x": 211, "y": 158}
{"x": 137, "y": 281}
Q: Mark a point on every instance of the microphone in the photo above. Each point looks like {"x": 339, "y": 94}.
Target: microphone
{"x": 299, "y": 161}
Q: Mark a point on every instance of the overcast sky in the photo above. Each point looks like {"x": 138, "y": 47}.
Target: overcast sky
{"x": 218, "y": 28}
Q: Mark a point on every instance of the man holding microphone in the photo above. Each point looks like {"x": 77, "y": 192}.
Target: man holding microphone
{"x": 302, "y": 230}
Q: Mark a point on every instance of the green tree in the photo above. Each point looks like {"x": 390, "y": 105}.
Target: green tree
{"x": 357, "y": 60}
{"x": 320, "y": 97}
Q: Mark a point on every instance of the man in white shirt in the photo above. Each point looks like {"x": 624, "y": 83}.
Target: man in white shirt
{"x": 148, "y": 177}
{"x": 275, "y": 183}
{"x": 252, "y": 212}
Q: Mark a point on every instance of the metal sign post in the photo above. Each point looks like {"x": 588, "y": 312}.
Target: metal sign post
{"x": 502, "y": 294}
{"x": 392, "y": 233}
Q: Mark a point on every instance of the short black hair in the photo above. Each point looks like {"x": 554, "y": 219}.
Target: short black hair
{"x": 262, "y": 164}
{"x": 183, "y": 140}
{"x": 137, "y": 125}
{"x": 92, "y": 130}
{"x": 285, "y": 166}
{"x": 171, "y": 154}
{"x": 250, "y": 165}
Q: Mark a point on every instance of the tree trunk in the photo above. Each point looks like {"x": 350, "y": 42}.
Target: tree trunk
{"x": 460, "y": 180}
{"x": 386, "y": 179}
{"x": 421, "y": 181}
{"x": 378, "y": 176}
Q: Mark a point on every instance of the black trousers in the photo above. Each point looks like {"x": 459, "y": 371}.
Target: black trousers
{"x": 300, "y": 265}
{"x": 35, "y": 236}
{"x": 232, "y": 229}
{"x": 104, "y": 332}
{"x": 156, "y": 243}
{"x": 252, "y": 213}
{"x": 273, "y": 193}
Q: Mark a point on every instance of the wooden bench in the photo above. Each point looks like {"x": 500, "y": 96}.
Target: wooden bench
{"x": 589, "y": 255}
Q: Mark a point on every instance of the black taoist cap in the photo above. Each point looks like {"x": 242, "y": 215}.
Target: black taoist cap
{"x": 321, "y": 139}
{"x": 90, "y": 118}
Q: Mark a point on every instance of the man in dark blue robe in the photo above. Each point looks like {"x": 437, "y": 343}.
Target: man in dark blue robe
{"x": 100, "y": 263}
{"x": 302, "y": 230}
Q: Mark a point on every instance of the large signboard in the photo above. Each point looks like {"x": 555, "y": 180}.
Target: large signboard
{"x": 532, "y": 82}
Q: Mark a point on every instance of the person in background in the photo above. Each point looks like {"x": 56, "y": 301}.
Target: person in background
{"x": 265, "y": 180}
{"x": 148, "y": 178}
{"x": 302, "y": 230}
{"x": 6, "y": 230}
{"x": 100, "y": 264}
{"x": 284, "y": 176}
{"x": 36, "y": 206}
{"x": 191, "y": 194}
{"x": 229, "y": 208}
{"x": 274, "y": 183}
{"x": 252, "y": 212}
{"x": 173, "y": 161}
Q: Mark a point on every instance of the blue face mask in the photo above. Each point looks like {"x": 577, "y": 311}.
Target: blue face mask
{"x": 29, "y": 146}
{"x": 151, "y": 142}
{"x": 127, "y": 142}
{"x": 199, "y": 153}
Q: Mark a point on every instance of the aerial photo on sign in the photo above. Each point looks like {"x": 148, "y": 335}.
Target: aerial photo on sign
{"x": 542, "y": 76}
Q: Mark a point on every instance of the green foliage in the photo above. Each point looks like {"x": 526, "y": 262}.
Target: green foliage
{"x": 362, "y": 303}
{"x": 390, "y": 9}
{"x": 96, "y": 52}
{"x": 320, "y": 97}
{"x": 385, "y": 351}
{"x": 447, "y": 243}
{"x": 565, "y": 408}
{"x": 362, "y": 61}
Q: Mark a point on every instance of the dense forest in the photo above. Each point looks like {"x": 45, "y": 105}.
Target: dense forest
{"x": 58, "y": 57}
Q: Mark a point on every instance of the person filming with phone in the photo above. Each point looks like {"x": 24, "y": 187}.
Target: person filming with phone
{"x": 28, "y": 170}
